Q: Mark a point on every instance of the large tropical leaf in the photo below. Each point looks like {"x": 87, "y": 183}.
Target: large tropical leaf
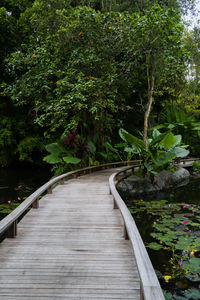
{"x": 163, "y": 158}
{"x": 159, "y": 138}
{"x": 92, "y": 147}
{"x": 121, "y": 134}
{"x": 71, "y": 160}
{"x": 196, "y": 127}
{"x": 178, "y": 139}
{"x": 150, "y": 168}
{"x": 55, "y": 148}
{"x": 160, "y": 126}
{"x": 155, "y": 133}
{"x": 108, "y": 147}
{"x": 171, "y": 126}
{"x": 52, "y": 159}
{"x": 129, "y": 150}
{"x": 168, "y": 141}
{"x": 133, "y": 140}
{"x": 120, "y": 145}
{"x": 180, "y": 152}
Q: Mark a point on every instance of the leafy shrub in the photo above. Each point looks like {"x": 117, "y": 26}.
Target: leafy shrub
{"x": 163, "y": 148}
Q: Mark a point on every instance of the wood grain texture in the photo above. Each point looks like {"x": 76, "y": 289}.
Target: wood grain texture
{"x": 71, "y": 247}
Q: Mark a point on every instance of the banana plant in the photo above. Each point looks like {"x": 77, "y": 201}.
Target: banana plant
{"x": 163, "y": 148}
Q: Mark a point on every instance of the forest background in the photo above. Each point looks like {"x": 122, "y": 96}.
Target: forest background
{"x": 74, "y": 72}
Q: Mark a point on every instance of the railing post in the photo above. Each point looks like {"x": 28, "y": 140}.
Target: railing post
{"x": 12, "y": 230}
{"x": 141, "y": 291}
{"x": 62, "y": 181}
{"x": 49, "y": 191}
{"x": 125, "y": 233}
{"x": 36, "y": 204}
{"x": 114, "y": 204}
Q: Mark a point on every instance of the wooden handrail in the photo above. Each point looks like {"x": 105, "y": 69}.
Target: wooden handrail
{"x": 150, "y": 286}
{"x": 9, "y": 223}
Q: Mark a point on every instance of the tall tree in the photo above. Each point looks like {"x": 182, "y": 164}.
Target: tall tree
{"x": 157, "y": 51}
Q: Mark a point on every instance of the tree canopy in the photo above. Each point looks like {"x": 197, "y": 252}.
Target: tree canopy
{"x": 89, "y": 66}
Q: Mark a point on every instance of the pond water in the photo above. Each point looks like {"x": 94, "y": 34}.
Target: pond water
{"x": 17, "y": 183}
{"x": 171, "y": 231}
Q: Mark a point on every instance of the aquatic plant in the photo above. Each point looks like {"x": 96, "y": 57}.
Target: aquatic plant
{"x": 175, "y": 228}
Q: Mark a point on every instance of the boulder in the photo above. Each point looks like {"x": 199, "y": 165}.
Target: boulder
{"x": 134, "y": 185}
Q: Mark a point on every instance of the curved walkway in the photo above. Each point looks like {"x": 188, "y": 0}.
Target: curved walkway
{"x": 72, "y": 247}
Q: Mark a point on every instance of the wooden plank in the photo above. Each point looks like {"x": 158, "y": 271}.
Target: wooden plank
{"x": 64, "y": 265}
{"x": 71, "y": 215}
{"x": 103, "y": 236}
{"x": 70, "y": 291}
{"x": 60, "y": 297}
{"x": 55, "y": 238}
{"x": 93, "y": 273}
{"x": 66, "y": 261}
{"x": 70, "y": 282}
{"x": 134, "y": 296}
{"x": 64, "y": 250}
{"x": 89, "y": 277}
{"x": 81, "y": 256}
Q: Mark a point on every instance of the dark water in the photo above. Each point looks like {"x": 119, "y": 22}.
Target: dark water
{"x": 190, "y": 193}
{"x": 17, "y": 183}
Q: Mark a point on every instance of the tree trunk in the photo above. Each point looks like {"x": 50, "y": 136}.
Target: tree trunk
{"x": 151, "y": 83}
{"x": 110, "y": 5}
{"x": 101, "y": 134}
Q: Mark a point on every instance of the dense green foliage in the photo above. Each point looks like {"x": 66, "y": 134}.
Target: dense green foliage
{"x": 163, "y": 148}
{"x": 176, "y": 120}
{"x": 90, "y": 67}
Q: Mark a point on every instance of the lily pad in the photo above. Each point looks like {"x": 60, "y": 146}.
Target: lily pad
{"x": 193, "y": 294}
{"x": 155, "y": 246}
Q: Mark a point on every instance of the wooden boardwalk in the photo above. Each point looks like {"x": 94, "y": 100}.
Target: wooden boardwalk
{"x": 72, "y": 247}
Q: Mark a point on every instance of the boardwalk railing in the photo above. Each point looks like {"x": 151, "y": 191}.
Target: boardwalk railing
{"x": 9, "y": 223}
{"x": 150, "y": 286}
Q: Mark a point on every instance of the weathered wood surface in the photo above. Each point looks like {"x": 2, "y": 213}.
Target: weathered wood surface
{"x": 9, "y": 223}
{"x": 72, "y": 247}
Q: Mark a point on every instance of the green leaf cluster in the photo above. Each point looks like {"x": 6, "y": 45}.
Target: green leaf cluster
{"x": 163, "y": 148}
